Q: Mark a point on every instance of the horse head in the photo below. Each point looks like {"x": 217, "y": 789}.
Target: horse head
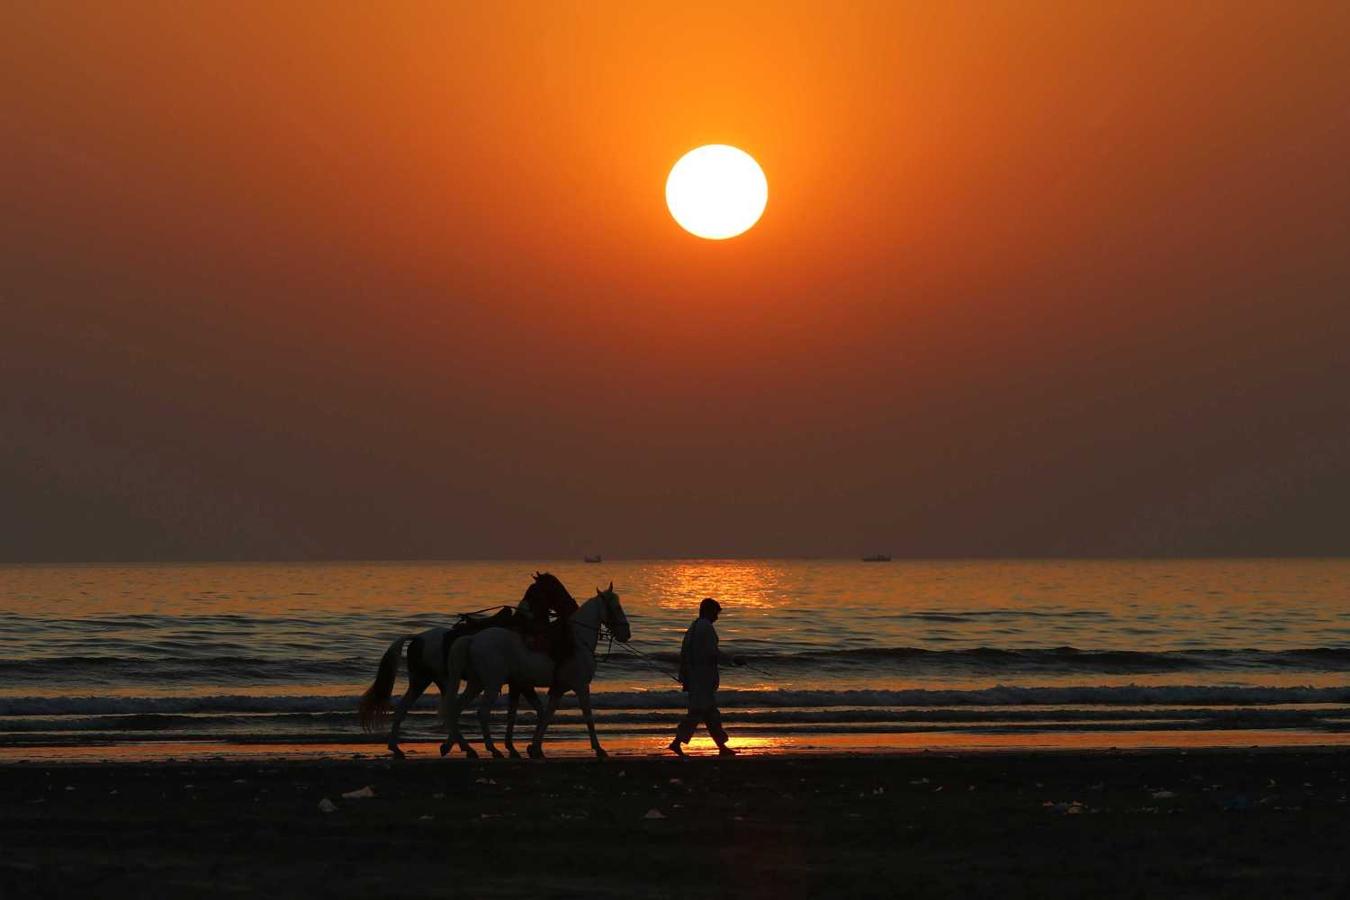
{"x": 614, "y": 616}
{"x": 548, "y": 588}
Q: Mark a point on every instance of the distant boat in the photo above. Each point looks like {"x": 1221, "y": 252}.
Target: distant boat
{"x": 592, "y": 559}
{"x": 880, "y": 557}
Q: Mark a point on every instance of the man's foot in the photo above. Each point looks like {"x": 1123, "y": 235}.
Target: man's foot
{"x": 724, "y": 750}
{"x": 676, "y": 748}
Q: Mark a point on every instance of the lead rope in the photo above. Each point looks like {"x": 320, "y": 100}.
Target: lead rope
{"x": 647, "y": 659}
{"x": 652, "y": 663}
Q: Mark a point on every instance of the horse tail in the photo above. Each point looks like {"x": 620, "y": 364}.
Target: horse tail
{"x": 456, "y": 661}
{"x": 374, "y": 706}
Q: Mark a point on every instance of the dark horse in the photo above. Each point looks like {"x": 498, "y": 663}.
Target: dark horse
{"x": 427, "y": 659}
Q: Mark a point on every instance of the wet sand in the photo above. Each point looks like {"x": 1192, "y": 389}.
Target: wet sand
{"x": 750, "y": 743}
{"x": 1199, "y": 823}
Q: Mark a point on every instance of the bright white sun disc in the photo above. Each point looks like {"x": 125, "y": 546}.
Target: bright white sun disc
{"x": 716, "y": 191}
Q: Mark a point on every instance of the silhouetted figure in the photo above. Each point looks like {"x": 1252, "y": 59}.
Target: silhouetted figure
{"x": 699, "y": 657}
{"x": 544, "y": 611}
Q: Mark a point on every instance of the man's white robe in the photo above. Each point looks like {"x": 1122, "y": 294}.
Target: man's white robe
{"x": 699, "y": 657}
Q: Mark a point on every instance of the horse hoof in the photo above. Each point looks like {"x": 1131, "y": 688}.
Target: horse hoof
{"x": 515, "y": 754}
{"x": 470, "y": 753}
{"x": 445, "y": 749}
{"x": 536, "y": 752}
{"x": 600, "y": 753}
{"x": 497, "y": 754}
{"x": 398, "y": 754}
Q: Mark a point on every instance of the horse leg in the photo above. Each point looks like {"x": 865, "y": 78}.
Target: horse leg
{"x": 537, "y": 745}
{"x": 584, "y": 699}
{"x": 417, "y": 684}
{"x": 513, "y": 703}
{"x": 485, "y": 720}
{"x": 456, "y": 738}
{"x": 535, "y": 702}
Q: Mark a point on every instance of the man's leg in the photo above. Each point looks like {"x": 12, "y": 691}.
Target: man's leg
{"x": 685, "y": 730}
{"x": 713, "y": 717}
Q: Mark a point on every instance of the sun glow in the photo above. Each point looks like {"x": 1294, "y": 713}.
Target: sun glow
{"x": 716, "y": 192}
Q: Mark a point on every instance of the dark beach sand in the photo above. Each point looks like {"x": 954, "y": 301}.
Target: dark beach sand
{"x": 1202, "y": 823}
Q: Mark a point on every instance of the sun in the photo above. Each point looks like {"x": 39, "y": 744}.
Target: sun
{"x": 716, "y": 192}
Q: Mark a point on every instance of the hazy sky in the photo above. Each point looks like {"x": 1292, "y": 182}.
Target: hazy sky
{"x": 397, "y": 280}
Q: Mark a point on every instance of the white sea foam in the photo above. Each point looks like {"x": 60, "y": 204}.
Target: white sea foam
{"x": 1137, "y": 696}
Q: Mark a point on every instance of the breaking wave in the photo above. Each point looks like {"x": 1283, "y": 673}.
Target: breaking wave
{"x": 227, "y": 664}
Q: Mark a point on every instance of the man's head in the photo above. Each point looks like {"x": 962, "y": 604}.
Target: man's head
{"x": 709, "y": 609}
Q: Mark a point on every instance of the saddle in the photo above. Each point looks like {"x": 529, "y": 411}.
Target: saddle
{"x": 472, "y": 624}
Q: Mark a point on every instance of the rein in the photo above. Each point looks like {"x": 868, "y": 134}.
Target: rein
{"x": 465, "y": 615}
{"x": 602, "y": 633}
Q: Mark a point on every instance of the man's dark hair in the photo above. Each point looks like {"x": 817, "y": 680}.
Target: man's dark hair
{"x": 709, "y": 605}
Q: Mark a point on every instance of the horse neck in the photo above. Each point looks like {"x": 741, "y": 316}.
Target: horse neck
{"x": 588, "y": 616}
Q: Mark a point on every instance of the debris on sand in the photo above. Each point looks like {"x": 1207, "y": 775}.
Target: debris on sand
{"x": 364, "y": 793}
{"x": 1163, "y": 795}
{"x": 654, "y": 813}
{"x": 327, "y": 806}
{"x": 484, "y": 781}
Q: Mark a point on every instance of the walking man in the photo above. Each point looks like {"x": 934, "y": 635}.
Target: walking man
{"x": 699, "y": 657}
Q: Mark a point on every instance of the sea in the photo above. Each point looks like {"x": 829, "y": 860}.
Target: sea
{"x": 225, "y": 659}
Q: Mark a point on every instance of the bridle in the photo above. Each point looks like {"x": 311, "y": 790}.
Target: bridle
{"x": 604, "y": 631}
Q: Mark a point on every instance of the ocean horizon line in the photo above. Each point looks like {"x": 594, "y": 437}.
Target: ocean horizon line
{"x": 894, "y": 558}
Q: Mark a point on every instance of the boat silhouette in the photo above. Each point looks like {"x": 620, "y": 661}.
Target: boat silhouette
{"x": 592, "y": 559}
{"x": 880, "y": 557}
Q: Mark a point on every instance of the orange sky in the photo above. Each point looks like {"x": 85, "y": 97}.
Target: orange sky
{"x": 399, "y": 281}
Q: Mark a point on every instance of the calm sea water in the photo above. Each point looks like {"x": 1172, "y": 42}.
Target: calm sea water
{"x": 884, "y": 654}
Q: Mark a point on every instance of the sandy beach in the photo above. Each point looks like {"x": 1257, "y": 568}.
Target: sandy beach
{"x": 1198, "y": 823}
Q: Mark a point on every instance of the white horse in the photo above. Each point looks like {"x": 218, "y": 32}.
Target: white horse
{"x": 427, "y": 665}
{"x": 497, "y": 656}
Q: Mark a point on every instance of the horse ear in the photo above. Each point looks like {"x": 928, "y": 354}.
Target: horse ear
{"x": 536, "y": 575}
{"x": 611, "y": 587}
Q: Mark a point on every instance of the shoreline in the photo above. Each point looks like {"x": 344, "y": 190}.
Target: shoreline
{"x": 1239, "y": 822}
{"x": 88, "y": 749}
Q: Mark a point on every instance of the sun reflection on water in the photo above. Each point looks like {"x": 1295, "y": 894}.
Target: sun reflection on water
{"x": 744, "y": 585}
